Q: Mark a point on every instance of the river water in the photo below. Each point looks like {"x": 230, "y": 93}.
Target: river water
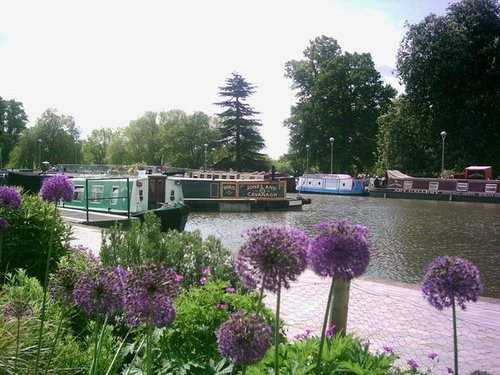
{"x": 405, "y": 234}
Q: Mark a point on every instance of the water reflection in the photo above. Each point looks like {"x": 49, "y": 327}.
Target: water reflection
{"x": 405, "y": 234}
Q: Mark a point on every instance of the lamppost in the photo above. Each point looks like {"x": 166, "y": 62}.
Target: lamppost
{"x": 40, "y": 153}
{"x": 307, "y": 158}
{"x": 76, "y": 152}
{"x": 443, "y": 136}
{"x": 206, "y": 147}
{"x": 331, "y": 154}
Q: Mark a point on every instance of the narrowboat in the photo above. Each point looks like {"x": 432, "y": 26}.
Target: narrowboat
{"x": 129, "y": 197}
{"x": 337, "y": 184}
{"x": 228, "y": 192}
{"x": 476, "y": 184}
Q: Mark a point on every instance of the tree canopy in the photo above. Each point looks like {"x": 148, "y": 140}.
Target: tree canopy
{"x": 13, "y": 121}
{"x": 339, "y": 95}
{"x": 239, "y": 128}
{"x": 450, "y": 66}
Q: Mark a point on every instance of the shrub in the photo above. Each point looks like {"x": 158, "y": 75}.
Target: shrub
{"x": 185, "y": 252}
{"x": 26, "y": 243}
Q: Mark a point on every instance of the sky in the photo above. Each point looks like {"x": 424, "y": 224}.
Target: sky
{"x": 107, "y": 62}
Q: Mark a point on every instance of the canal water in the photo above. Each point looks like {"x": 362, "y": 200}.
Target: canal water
{"x": 405, "y": 234}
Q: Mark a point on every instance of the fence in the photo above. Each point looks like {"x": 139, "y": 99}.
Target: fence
{"x": 399, "y": 317}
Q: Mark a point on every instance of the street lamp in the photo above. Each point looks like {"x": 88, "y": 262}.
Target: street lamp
{"x": 331, "y": 154}
{"x": 76, "y": 152}
{"x": 307, "y": 158}
{"x": 443, "y": 136}
{"x": 206, "y": 147}
{"x": 40, "y": 153}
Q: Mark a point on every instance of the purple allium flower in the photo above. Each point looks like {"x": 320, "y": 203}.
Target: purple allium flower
{"x": 207, "y": 271}
{"x": 4, "y": 225}
{"x": 230, "y": 289}
{"x": 303, "y": 336}
{"x": 99, "y": 293}
{"x": 413, "y": 364}
{"x": 148, "y": 297}
{"x": 179, "y": 278}
{"x": 244, "y": 339}
{"x": 450, "y": 279}
{"x": 388, "y": 349}
{"x": 57, "y": 188}
{"x": 450, "y": 370}
{"x": 275, "y": 255}
{"x": 62, "y": 284}
{"x": 203, "y": 280}
{"x": 222, "y": 306}
{"x": 330, "y": 332}
{"x": 340, "y": 250}
{"x": 432, "y": 355}
{"x": 9, "y": 197}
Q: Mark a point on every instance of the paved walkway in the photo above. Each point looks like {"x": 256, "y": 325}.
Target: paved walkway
{"x": 387, "y": 313}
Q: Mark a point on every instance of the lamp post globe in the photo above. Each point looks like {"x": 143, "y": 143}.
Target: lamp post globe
{"x": 307, "y": 158}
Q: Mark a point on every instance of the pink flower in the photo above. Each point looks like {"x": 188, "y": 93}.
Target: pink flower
{"x": 230, "y": 289}
{"x": 222, "y": 306}
{"x": 203, "y": 280}
{"x": 432, "y": 355}
{"x": 179, "y": 278}
{"x": 207, "y": 272}
{"x": 330, "y": 332}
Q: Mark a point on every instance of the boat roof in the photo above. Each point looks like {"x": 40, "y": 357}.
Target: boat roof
{"x": 394, "y": 173}
{"x": 478, "y": 167}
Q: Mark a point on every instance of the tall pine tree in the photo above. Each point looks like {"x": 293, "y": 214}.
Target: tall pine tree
{"x": 239, "y": 128}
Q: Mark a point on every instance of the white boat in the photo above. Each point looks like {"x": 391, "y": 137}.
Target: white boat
{"x": 340, "y": 184}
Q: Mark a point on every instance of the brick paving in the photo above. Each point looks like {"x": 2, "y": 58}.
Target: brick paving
{"x": 386, "y": 313}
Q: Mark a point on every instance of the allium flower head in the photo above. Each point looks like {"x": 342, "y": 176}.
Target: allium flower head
{"x": 62, "y": 284}
{"x": 244, "y": 339}
{"x": 150, "y": 290}
{"x": 4, "y": 225}
{"x": 340, "y": 250}
{"x": 57, "y": 188}
{"x": 17, "y": 310}
{"x": 99, "y": 293}
{"x": 9, "y": 197}
{"x": 275, "y": 255}
{"x": 450, "y": 279}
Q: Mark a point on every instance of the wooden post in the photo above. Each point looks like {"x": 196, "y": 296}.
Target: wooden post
{"x": 339, "y": 306}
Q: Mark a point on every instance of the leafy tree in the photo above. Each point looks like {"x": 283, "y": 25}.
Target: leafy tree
{"x": 450, "y": 67}
{"x": 13, "y": 121}
{"x": 52, "y": 139}
{"x": 239, "y": 128}
{"x": 193, "y": 132}
{"x": 117, "y": 152}
{"x": 95, "y": 146}
{"x": 339, "y": 95}
{"x": 143, "y": 139}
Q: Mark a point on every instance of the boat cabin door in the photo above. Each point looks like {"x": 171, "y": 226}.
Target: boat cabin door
{"x": 156, "y": 192}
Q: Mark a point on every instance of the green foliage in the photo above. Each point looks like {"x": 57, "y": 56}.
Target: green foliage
{"x": 95, "y": 146}
{"x": 26, "y": 243}
{"x": 200, "y": 312}
{"x": 19, "y": 335}
{"x": 239, "y": 128}
{"x": 339, "y": 95}
{"x": 343, "y": 355}
{"x": 187, "y": 252}
{"x": 449, "y": 67}
{"x": 13, "y": 121}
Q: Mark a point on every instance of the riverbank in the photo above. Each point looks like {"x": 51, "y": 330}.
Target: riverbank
{"x": 385, "y": 313}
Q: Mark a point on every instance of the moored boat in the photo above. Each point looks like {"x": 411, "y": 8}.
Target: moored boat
{"x": 224, "y": 192}
{"x": 476, "y": 184}
{"x": 338, "y": 184}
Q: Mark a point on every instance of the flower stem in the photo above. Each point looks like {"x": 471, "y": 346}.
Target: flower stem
{"x": 455, "y": 341}
{"x": 44, "y": 298}
{"x": 148, "y": 350}
{"x": 261, "y": 294}
{"x": 17, "y": 343}
{"x": 58, "y": 333}
{"x": 323, "y": 330}
{"x": 277, "y": 331}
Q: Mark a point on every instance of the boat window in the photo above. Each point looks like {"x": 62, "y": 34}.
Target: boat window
{"x": 224, "y": 176}
{"x": 209, "y": 176}
{"x": 114, "y": 195}
{"x": 172, "y": 195}
{"x": 407, "y": 185}
{"x": 202, "y": 175}
{"x": 252, "y": 177}
{"x": 141, "y": 195}
{"x": 490, "y": 188}
{"x": 96, "y": 193}
{"x": 78, "y": 194}
{"x": 216, "y": 176}
{"x": 433, "y": 185}
{"x": 231, "y": 177}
